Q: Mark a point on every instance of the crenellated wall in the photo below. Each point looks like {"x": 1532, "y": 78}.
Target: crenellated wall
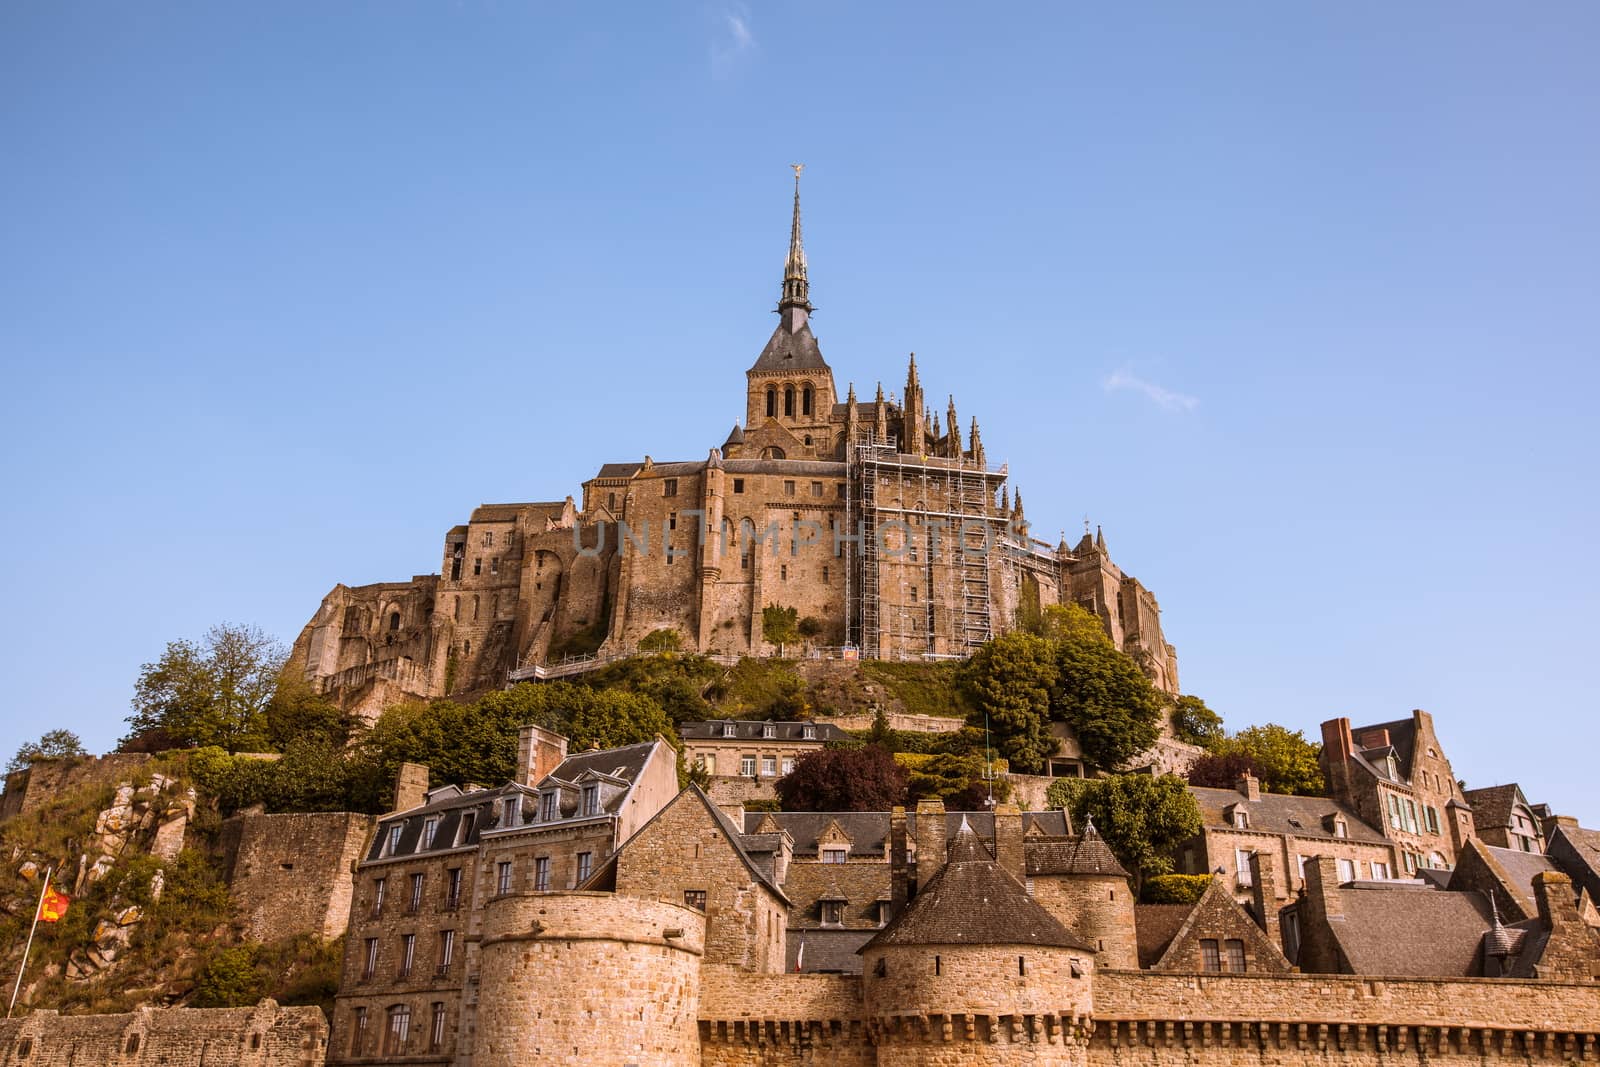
{"x": 1152, "y": 1020}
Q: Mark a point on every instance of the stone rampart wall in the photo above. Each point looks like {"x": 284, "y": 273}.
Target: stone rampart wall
{"x": 263, "y": 1036}
{"x": 47, "y": 779}
{"x": 294, "y": 874}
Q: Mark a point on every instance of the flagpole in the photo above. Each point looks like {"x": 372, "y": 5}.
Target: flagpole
{"x": 29, "y": 947}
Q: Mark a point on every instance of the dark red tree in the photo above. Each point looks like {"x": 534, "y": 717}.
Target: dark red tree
{"x": 844, "y": 779}
{"x": 1221, "y": 772}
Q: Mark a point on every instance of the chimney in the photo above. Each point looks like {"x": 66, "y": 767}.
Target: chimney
{"x": 1557, "y": 907}
{"x": 1249, "y": 785}
{"x": 539, "y": 751}
{"x": 899, "y": 864}
{"x": 410, "y": 787}
{"x": 1008, "y": 841}
{"x": 932, "y": 845}
{"x": 1322, "y": 886}
{"x": 1337, "y": 747}
{"x": 1264, "y": 895}
{"x": 734, "y": 810}
{"x": 1378, "y": 738}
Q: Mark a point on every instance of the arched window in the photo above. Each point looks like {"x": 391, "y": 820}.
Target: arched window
{"x": 788, "y": 401}
{"x": 772, "y": 402}
{"x": 772, "y": 452}
{"x": 394, "y": 620}
{"x": 805, "y": 400}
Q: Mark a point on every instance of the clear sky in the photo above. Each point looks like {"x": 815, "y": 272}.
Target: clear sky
{"x": 1299, "y": 302}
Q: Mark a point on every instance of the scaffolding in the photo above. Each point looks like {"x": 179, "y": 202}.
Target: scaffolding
{"x": 927, "y": 597}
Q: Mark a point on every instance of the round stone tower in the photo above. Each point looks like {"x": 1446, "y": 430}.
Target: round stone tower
{"x": 589, "y": 978}
{"x": 1088, "y": 891}
{"x": 975, "y": 972}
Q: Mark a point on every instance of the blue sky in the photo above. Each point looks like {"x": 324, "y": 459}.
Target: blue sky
{"x": 1298, "y": 301}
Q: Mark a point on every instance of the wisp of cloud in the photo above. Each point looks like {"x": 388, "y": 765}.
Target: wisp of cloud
{"x": 1161, "y": 397}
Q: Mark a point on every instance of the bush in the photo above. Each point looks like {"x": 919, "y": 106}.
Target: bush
{"x": 1174, "y": 888}
{"x": 229, "y": 979}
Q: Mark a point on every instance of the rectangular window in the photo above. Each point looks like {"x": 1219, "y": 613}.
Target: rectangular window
{"x": 585, "y": 866}
{"x": 783, "y": 572}
{"x": 358, "y": 1040}
{"x": 378, "y": 886}
{"x": 769, "y": 766}
{"x": 1411, "y": 816}
{"x": 1241, "y": 859}
{"x": 669, "y": 487}
{"x": 1394, "y": 811}
{"x": 787, "y": 766}
{"x": 541, "y": 874}
{"x": 477, "y": 564}
{"x": 834, "y": 855}
{"x": 709, "y": 761}
{"x": 547, "y": 807}
{"x": 1430, "y": 816}
{"x": 1347, "y": 871}
{"x": 1411, "y": 862}
{"x": 695, "y": 898}
{"x": 611, "y": 502}
{"x": 502, "y": 883}
{"x": 591, "y": 800}
{"x": 414, "y": 904}
{"x": 430, "y": 830}
{"x": 1210, "y": 957}
{"x": 747, "y": 766}
{"x": 840, "y": 491}
{"x": 436, "y": 1031}
{"x": 511, "y": 810}
{"x": 832, "y": 912}
{"x": 393, "y": 844}
{"x": 788, "y": 489}
{"x": 1380, "y": 871}
{"x": 452, "y": 893}
{"x": 369, "y": 965}
{"x": 447, "y": 950}
{"x": 468, "y": 822}
{"x": 816, "y": 489}
{"x": 824, "y": 575}
{"x": 399, "y": 1030}
{"x": 672, "y": 520}
{"x": 738, "y": 485}
{"x": 1301, "y": 860}
{"x": 494, "y": 565}
{"x": 408, "y": 953}
{"x": 488, "y": 539}
{"x": 1235, "y": 950}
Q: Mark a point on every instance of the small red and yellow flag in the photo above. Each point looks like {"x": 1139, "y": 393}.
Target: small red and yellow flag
{"x": 53, "y": 907}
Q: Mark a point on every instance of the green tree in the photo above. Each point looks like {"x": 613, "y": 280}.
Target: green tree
{"x": 1010, "y": 678}
{"x": 52, "y": 744}
{"x": 1111, "y": 706}
{"x": 1285, "y": 761}
{"x": 297, "y": 712}
{"x": 780, "y": 626}
{"x": 212, "y": 693}
{"x": 1174, "y": 888}
{"x": 1195, "y": 723}
{"x": 1142, "y": 818}
{"x": 229, "y": 979}
{"x": 843, "y": 779}
{"x": 663, "y": 640}
{"x": 1058, "y": 622}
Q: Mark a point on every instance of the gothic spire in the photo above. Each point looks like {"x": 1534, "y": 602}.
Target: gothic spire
{"x": 954, "y": 451}
{"x": 796, "y": 289}
{"x": 977, "y": 443}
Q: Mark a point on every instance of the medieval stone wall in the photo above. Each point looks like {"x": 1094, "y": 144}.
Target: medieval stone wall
{"x": 294, "y": 874}
{"x": 589, "y": 978}
{"x": 48, "y": 779}
{"x": 1098, "y": 909}
{"x": 263, "y": 1036}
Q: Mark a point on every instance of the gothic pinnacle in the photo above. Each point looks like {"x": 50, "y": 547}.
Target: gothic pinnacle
{"x": 796, "y": 289}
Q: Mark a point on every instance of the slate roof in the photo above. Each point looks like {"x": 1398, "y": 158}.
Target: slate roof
{"x": 1520, "y": 867}
{"x": 1577, "y": 850}
{"x": 869, "y": 830}
{"x": 1155, "y": 925}
{"x": 973, "y": 901}
{"x": 510, "y": 512}
{"x": 788, "y": 351}
{"x": 1492, "y": 806}
{"x": 626, "y": 763}
{"x": 1086, "y": 854}
{"x": 1282, "y": 813}
{"x": 449, "y": 804}
{"x": 1405, "y": 930}
{"x": 753, "y": 730}
{"x": 618, "y": 470}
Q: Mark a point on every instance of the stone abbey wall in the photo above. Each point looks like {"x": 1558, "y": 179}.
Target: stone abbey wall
{"x": 48, "y": 779}
{"x": 263, "y": 1036}
{"x": 588, "y": 978}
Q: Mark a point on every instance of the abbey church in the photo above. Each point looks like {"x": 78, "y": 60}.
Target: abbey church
{"x": 878, "y": 520}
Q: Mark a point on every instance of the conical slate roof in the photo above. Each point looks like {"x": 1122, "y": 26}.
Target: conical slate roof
{"x": 1093, "y": 856}
{"x": 792, "y": 347}
{"x": 973, "y": 901}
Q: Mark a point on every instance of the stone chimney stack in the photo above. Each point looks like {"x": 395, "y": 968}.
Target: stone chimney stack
{"x": 899, "y": 862}
{"x": 1337, "y": 748}
{"x": 1264, "y": 895}
{"x": 734, "y": 810}
{"x": 931, "y": 843}
{"x": 1250, "y": 786}
{"x": 539, "y": 751}
{"x": 410, "y": 786}
{"x": 1557, "y": 906}
{"x": 1008, "y": 841}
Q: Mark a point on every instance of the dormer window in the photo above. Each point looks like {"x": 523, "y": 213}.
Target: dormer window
{"x": 464, "y": 834}
{"x": 1340, "y": 828}
{"x": 511, "y": 808}
{"x": 547, "y": 806}
{"x": 808, "y": 732}
{"x": 393, "y": 844}
{"x": 1392, "y": 767}
{"x": 1241, "y": 819}
{"x": 430, "y": 829}
{"x": 728, "y": 730}
{"x": 768, "y": 730}
{"x": 832, "y": 912}
{"x": 835, "y": 854}
{"x": 591, "y": 799}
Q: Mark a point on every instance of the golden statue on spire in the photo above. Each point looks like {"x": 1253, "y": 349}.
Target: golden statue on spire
{"x": 798, "y": 167}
